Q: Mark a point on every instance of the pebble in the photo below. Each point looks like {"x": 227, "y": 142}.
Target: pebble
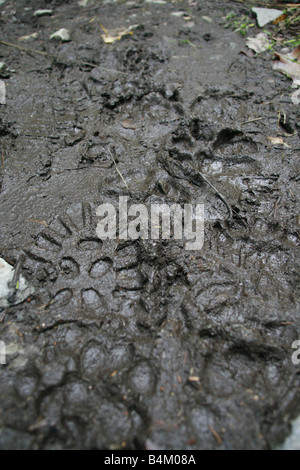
{"x": 61, "y": 35}
{"x": 4, "y": 73}
{"x": 43, "y": 13}
{"x": 156, "y": 2}
{"x": 178, "y": 14}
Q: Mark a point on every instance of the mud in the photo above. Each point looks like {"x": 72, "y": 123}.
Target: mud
{"x": 142, "y": 344}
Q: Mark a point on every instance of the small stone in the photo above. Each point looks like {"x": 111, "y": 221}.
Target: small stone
{"x": 29, "y": 37}
{"x": 43, "y": 13}
{"x": 207, "y": 19}
{"x": 178, "y": 14}
{"x": 4, "y": 72}
{"x": 20, "y": 318}
{"x": 163, "y": 186}
{"x": 61, "y": 35}
{"x": 156, "y": 2}
{"x": 171, "y": 90}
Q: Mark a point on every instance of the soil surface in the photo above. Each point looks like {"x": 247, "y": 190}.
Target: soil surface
{"x": 143, "y": 344}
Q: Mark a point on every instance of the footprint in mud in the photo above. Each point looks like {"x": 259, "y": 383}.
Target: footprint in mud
{"x": 75, "y": 271}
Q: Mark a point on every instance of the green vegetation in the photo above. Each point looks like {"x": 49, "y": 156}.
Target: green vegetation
{"x": 283, "y": 31}
{"x": 239, "y": 24}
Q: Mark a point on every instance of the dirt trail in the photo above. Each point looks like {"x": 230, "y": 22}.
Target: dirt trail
{"x": 127, "y": 345}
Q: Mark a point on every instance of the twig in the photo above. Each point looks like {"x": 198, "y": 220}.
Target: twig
{"x": 118, "y": 170}
{"x": 13, "y": 284}
{"x": 251, "y": 120}
{"x": 90, "y": 167}
{"x": 3, "y": 315}
{"x": 24, "y": 49}
{"x": 218, "y": 194}
{"x": 48, "y": 54}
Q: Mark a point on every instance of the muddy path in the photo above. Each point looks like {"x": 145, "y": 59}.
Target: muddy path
{"x": 143, "y": 344}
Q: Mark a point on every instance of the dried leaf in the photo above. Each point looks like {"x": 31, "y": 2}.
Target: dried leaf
{"x": 194, "y": 378}
{"x": 259, "y": 44}
{"x": 275, "y": 140}
{"x": 27, "y": 38}
{"x": 280, "y": 18}
{"x": 129, "y": 125}
{"x": 266, "y": 15}
{"x": 8, "y": 285}
{"x": 289, "y": 64}
{"x": 109, "y": 37}
{"x": 278, "y": 141}
{"x": 37, "y": 221}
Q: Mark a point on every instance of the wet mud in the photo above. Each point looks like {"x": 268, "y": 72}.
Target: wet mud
{"x": 142, "y": 344}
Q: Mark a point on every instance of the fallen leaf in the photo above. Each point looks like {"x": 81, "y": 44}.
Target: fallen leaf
{"x": 275, "y": 140}
{"x": 280, "y": 18}
{"x": 194, "y": 378}
{"x": 128, "y": 125}
{"x": 289, "y": 64}
{"x": 109, "y": 37}
{"x": 27, "y": 38}
{"x": 259, "y": 44}
{"x": 266, "y": 15}
{"x": 37, "y": 221}
{"x": 12, "y": 291}
{"x": 278, "y": 141}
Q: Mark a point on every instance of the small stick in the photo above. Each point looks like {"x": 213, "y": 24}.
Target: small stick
{"x": 13, "y": 284}
{"x": 118, "y": 170}
{"x": 48, "y": 54}
{"x": 24, "y": 49}
{"x": 218, "y": 194}
{"x": 251, "y": 120}
{"x": 3, "y": 315}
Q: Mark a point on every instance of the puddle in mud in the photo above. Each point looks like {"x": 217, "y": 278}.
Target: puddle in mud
{"x": 131, "y": 344}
